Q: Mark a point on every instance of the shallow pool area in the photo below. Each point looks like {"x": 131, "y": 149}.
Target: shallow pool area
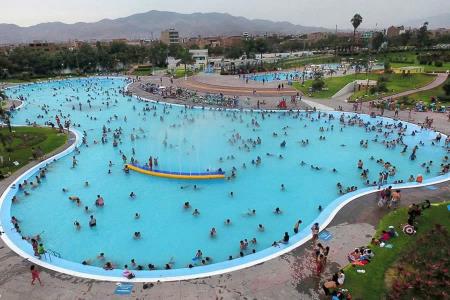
{"x": 280, "y": 76}
{"x": 287, "y": 160}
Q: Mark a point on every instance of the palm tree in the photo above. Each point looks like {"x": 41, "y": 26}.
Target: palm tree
{"x": 356, "y": 21}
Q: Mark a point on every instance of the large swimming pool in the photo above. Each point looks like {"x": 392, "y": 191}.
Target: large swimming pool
{"x": 194, "y": 140}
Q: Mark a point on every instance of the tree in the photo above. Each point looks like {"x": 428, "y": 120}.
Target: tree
{"x": 405, "y": 37}
{"x": 356, "y": 21}
{"x": 377, "y": 40}
{"x": 387, "y": 67}
{"x": 158, "y": 54}
{"x": 318, "y": 84}
{"x": 423, "y": 38}
{"x": 185, "y": 58}
{"x": 446, "y": 88}
{"x": 233, "y": 52}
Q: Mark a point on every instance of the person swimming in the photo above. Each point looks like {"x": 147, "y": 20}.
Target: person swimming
{"x": 261, "y": 227}
{"x": 77, "y": 225}
{"x": 92, "y": 221}
{"x": 99, "y": 201}
{"x": 251, "y": 212}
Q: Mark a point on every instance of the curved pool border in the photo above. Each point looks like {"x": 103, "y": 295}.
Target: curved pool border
{"x": 15, "y": 242}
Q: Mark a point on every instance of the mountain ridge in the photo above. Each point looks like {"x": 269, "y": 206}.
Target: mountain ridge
{"x": 148, "y": 24}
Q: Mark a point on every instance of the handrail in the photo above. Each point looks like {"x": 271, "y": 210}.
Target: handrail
{"x": 53, "y": 252}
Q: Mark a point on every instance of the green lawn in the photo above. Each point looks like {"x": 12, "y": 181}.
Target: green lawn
{"x": 179, "y": 73}
{"x": 332, "y": 84}
{"x": 19, "y": 145}
{"x": 302, "y": 61}
{"x": 404, "y": 59}
{"x": 428, "y": 68}
{"x": 145, "y": 71}
{"x": 371, "y": 285}
{"x": 425, "y": 96}
{"x": 397, "y": 83}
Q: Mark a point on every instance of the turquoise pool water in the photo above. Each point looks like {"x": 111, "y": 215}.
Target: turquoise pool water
{"x": 194, "y": 140}
{"x": 291, "y": 75}
{"x": 280, "y": 76}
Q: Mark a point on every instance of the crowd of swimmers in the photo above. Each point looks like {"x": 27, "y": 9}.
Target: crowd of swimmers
{"x": 389, "y": 135}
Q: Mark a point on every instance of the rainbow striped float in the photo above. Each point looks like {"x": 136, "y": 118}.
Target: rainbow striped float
{"x": 175, "y": 175}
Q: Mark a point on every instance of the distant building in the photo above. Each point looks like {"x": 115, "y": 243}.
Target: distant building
{"x": 440, "y": 32}
{"x": 394, "y": 31}
{"x": 43, "y": 45}
{"x": 200, "y": 56}
{"x": 409, "y": 70}
{"x": 231, "y": 41}
{"x": 317, "y": 36}
{"x": 170, "y": 37}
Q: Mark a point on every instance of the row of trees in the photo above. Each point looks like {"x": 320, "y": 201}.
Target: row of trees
{"x": 86, "y": 58}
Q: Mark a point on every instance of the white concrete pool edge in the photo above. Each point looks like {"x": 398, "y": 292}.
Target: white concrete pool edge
{"x": 79, "y": 270}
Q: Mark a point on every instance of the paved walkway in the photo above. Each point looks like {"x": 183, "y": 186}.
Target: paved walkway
{"x": 256, "y": 89}
{"x": 440, "y": 79}
{"x": 441, "y": 120}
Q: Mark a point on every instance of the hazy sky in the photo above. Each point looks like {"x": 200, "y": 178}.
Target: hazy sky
{"x": 326, "y": 13}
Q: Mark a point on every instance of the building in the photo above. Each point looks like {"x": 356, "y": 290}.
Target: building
{"x": 43, "y": 45}
{"x": 170, "y": 37}
{"x": 394, "y": 31}
{"x": 409, "y": 70}
{"x": 200, "y": 56}
{"x": 440, "y": 32}
{"x": 231, "y": 41}
{"x": 317, "y": 36}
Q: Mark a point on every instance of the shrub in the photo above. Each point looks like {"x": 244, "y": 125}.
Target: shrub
{"x": 318, "y": 84}
{"x": 405, "y": 100}
{"x": 446, "y": 88}
{"x": 381, "y": 87}
{"x": 438, "y": 63}
{"x": 383, "y": 79}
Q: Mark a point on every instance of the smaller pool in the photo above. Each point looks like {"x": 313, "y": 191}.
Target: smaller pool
{"x": 280, "y": 76}
{"x": 294, "y": 75}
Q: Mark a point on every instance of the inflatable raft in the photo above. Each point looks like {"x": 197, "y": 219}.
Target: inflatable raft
{"x": 175, "y": 175}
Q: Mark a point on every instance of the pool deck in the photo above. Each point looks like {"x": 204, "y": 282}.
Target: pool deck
{"x": 289, "y": 276}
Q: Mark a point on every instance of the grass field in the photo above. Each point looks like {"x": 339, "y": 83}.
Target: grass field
{"x": 396, "y": 83}
{"x": 179, "y": 73}
{"x": 425, "y": 96}
{"x": 371, "y": 284}
{"x": 145, "y": 71}
{"x": 302, "y": 61}
{"x": 332, "y": 85}
{"x": 404, "y": 59}
{"x": 19, "y": 145}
